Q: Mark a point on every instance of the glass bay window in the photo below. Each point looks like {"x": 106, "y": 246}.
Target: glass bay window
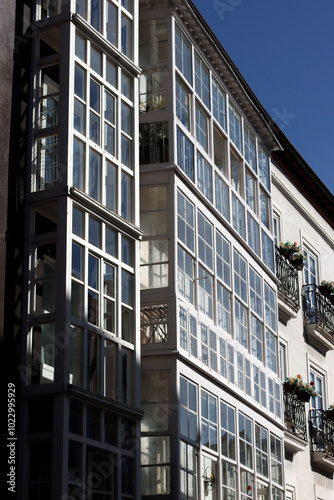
{"x": 247, "y": 167}
{"x": 102, "y": 122}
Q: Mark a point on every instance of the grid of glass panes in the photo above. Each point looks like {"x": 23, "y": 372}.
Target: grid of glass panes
{"x": 247, "y": 449}
{"x": 215, "y": 298}
{"x": 102, "y": 164}
{"x": 250, "y": 455}
{"x": 256, "y": 327}
{"x": 223, "y": 271}
{"x": 45, "y": 150}
{"x": 104, "y": 358}
{"x": 205, "y": 240}
{"x": 98, "y": 437}
{"x": 188, "y": 470}
{"x": 276, "y": 460}
{"x": 102, "y": 276}
{"x": 261, "y": 450}
{"x": 270, "y": 328}
{"x": 185, "y": 221}
{"x": 237, "y": 163}
{"x": 209, "y": 420}
{"x": 213, "y": 348}
{"x": 188, "y": 409}
{"x": 154, "y": 258}
{"x": 114, "y": 20}
{"x": 227, "y": 431}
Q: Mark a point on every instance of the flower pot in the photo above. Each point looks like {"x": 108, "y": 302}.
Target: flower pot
{"x": 324, "y": 290}
{"x": 297, "y": 264}
{"x": 331, "y": 298}
{"x": 287, "y": 253}
{"x": 303, "y": 396}
{"x": 330, "y": 415}
{"x": 290, "y": 388}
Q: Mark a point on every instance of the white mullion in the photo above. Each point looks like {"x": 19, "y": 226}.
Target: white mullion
{"x": 118, "y": 28}
{"x": 118, "y": 293}
{"x": 118, "y": 148}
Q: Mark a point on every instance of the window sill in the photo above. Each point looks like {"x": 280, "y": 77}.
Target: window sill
{"x": 323, "y": 460}
{"x": 287, "y": 309}
{"x": 319, "y": 337}
{"x": 292, "y": 443}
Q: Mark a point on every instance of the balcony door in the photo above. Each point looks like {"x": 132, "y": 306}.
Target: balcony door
{"x": 310, "y": 282}
{"x": 320, "y": 431}
{"x": 318, "y": 381}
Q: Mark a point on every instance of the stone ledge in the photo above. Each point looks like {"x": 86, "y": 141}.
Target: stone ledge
{"x": 319, "y": 337}
{"x": 323, "y": 460}
{"x": 293, "y": 443}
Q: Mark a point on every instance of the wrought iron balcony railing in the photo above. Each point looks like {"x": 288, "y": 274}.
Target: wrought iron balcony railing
{"x": 295, "y": 415}
{"x": 288, "y": 279}
{"x": 318, "y": 308}
{"x": 322, "y": 432}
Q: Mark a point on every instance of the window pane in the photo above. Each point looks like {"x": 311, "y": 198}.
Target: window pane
{"x": 126, "y": 36}
{"x": 152, "y": 91}
{"x": 219, "y": 104}
{"x": 153, "y": 143}
{"x": 94, "y": 175}
{"x": 182, "y": 104}
{"x": 111, "y": 22}
{"x": 235, "y": 126}
{"x": 202, "y": 80}
{"x": 152, "y": 41}
{"x": 126, "y": 188}
{"x": 204, "y": 176}
{"x": 183, "y": 54}
{"x": 264, "y": 168}
{"x": 202, "y": 128}
{"x": 250, "y": 148}
{"x": 222, "y": 197}
{"x": 185, "y": 154}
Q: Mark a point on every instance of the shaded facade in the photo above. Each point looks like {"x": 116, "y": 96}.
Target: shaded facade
{"x": 79, "y": 239}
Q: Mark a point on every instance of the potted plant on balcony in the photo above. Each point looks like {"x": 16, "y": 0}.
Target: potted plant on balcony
{"x": 291, "y": 384}
{"x": 330, "y": 412}
{"x": 287, "y": 249}
{"x": 297, "y": 260}
{"x": 326, "y": 288}
{"x": 303, "y": 390}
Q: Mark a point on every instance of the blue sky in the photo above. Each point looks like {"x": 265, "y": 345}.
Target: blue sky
{"x": 284, "y": 49}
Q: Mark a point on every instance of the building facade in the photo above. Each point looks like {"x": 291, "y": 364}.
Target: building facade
{"x": 305, "y": 327}
{"x": 79, "y": 210}
{"x": 213, "y": 424}
{"x": 153, "y": 320}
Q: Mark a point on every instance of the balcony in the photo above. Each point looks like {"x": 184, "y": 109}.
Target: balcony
{"x": 288, "y": 288}
{"x": 322, "y": 439}
{"x": 295, "y": 421}
{"x": 318, "y": 318}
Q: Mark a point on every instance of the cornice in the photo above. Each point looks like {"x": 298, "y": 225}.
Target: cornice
{"x": 228, "y": 74}
{"x": 281, "y": 186}
{"x": 106, "y": 46}
{"x": 105, "y": 213}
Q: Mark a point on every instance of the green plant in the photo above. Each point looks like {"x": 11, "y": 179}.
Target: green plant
{"x": 328, "y": 284}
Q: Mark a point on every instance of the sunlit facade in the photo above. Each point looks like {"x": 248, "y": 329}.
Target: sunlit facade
{"x": 211, "y": 391}
{"x": 150, "y": 318}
